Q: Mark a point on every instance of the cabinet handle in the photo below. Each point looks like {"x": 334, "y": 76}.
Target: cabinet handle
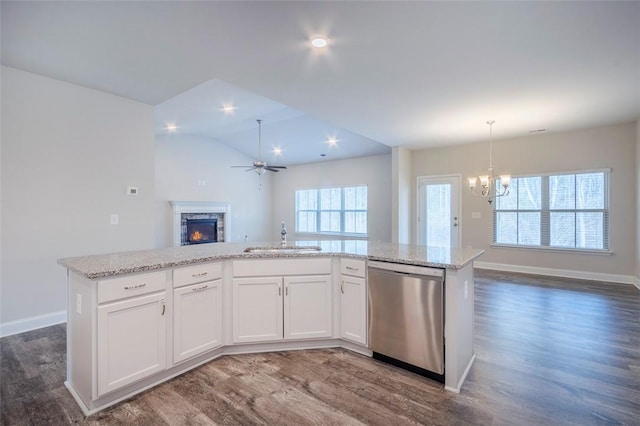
{"x": 164, "y": 307}
{"x": 133, "y": 287}
{"x": 279, "y": 291}
{"x": 351, "y": 268}
{"x": 286, "y": 290}
{"x": 201, "y": 274}
{"x": 204, "y": 287}
{"x": 342, "y": 287}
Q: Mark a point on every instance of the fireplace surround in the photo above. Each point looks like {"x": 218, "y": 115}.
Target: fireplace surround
{"x": 198, "y": 222}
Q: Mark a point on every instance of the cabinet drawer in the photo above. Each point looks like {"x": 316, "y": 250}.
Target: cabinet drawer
{"x": 353, "y": 267}
{"x": 131, "y": 285}
{"x": 197, "y": 274}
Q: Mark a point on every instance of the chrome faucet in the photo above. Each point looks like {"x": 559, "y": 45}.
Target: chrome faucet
{"x": 283, "y": 235}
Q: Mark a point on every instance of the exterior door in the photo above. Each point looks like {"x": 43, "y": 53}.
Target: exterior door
{"x": 439, "y": 211}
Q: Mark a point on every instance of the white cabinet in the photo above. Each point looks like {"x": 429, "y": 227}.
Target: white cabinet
{"x": 257, "y": 309}
{"x": 307, "y": 307}
{"x": 197, "y": 309}
{"x": 353, "y": 301}
{"x": 273, "y": 308}
{"x": 131, "y": 340}
{"x": 197, "y": 319}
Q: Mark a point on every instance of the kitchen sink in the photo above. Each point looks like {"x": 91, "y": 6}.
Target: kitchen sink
{"x": 284, "y": 249}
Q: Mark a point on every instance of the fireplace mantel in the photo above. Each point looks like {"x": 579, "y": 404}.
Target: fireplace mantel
{"x": 181, "y": 207}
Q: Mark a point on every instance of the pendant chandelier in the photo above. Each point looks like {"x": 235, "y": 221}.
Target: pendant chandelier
{"x": 489, "y": 188}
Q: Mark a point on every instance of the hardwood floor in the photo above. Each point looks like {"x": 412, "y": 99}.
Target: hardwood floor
{"x": 549, "y": 351}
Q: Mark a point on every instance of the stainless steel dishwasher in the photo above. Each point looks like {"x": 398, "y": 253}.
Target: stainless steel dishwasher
{"x": 406, "y": 316}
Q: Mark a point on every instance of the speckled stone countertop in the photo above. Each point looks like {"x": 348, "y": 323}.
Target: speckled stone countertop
{"x": 98, "y": 266}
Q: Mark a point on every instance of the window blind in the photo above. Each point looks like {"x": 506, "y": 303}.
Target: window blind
{"x": 568, "y": 210}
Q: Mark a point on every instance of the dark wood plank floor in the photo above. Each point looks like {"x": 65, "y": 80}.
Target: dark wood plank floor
{"x": 549, "y": 351}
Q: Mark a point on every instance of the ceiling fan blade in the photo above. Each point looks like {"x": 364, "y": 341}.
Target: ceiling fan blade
{"x": 240, "y": 166}
{"x": 277, "y": 167}
{"x": 271, "y": 169}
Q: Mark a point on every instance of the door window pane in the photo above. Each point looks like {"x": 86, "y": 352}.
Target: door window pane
{"x": 438, "y": 215}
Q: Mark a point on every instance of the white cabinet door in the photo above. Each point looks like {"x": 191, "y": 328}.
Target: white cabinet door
{"x": 353, "y": 308}
{"x": 257, "y": 309}
{"x": 307, "y": 307}
{"x": 131, "y": 340}
{"x": 197, "y": 319}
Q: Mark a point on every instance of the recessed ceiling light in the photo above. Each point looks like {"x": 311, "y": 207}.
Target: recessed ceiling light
{"x": 277, "y": 151}
{"x": 171, "y": 128}
{"x": 319, "y": 42}
{"x": 228, "y": 109}
{"x": 332, "y": 141}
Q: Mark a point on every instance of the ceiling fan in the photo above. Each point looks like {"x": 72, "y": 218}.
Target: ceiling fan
{"x": 260, "y": 166}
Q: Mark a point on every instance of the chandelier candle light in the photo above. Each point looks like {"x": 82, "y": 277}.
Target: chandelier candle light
{"x": 488, "y": 185}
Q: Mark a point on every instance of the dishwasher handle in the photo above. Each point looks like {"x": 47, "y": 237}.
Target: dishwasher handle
{"x": 407, "y": 269}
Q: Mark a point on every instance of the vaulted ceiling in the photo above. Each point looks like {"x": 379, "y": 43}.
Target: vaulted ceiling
{"x": 414, "y": 74}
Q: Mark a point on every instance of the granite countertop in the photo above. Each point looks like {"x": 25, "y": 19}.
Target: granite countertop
{"x": 99, "y": 266}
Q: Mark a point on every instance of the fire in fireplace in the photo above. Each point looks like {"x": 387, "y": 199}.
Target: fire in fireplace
{"x": 201, "y": 231}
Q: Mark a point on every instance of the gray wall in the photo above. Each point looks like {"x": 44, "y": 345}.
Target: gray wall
{"x": 373, "y": 171}
{"x": 193, "y": 168}
{"x": 68, "y": 155}
{"x": 604, "y": 147}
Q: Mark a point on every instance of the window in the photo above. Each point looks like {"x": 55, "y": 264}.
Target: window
{"x": 563, "y": 211}
{"x": 332, "y": 210}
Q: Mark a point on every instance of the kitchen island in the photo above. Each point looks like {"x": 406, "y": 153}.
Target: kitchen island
{"x": 136, "y": 319}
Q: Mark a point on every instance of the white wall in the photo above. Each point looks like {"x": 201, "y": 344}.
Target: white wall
{"x": 373, "y": 171}
{"x": 401, "y": 172}
{"x": 183, "y": 163}
{"x": 68, "y": 155}
{"x": 612, "y": 146}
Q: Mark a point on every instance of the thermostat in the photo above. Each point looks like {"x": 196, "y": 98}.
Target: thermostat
{"x": 132, "y": 190}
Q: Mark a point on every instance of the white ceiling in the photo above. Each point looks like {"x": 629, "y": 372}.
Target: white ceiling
{"x": 416, "y": 74}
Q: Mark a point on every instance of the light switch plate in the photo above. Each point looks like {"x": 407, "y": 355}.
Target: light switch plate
{"x": 115, "y": 219}
{"x": 476, "y": 215}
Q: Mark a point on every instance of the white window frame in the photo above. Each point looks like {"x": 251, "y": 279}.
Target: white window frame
{"x": 545, "y": 215}
{"x": 342, "y": 212}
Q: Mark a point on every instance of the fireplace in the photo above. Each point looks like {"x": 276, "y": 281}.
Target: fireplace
{"x": 201, "y": 231}
{"x": 201, "y": 228}
{"x": 199, "y": 222}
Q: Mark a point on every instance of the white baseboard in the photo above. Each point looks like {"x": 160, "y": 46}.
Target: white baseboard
{"x": 462, "y": 378}
{"x": 565, "y": 273}
{"x": 27, "y": 324}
